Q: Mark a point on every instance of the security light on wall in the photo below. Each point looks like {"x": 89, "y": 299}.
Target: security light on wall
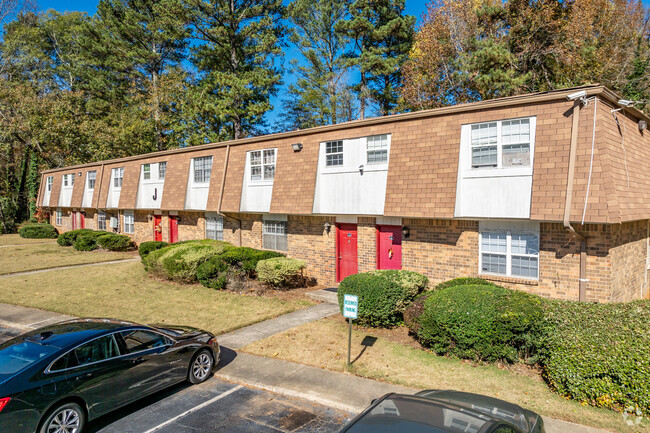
{"x": 297, "y": 147}
{"x": 79, "y": 174}
{"x": 327, "y": 226}
{"x": 577, "y": 95}
{"x": 406, "y": 232}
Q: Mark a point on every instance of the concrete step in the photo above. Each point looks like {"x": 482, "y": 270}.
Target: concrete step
{"x": 325, "y": 295}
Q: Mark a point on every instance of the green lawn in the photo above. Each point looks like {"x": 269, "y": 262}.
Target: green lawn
{"x": 324, "y": 344}
{"x": 44, "y": 256}
{"x": 125, "y": 291}
{"x": 15, "y": 239}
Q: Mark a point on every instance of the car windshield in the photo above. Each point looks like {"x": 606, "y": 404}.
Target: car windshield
{"x": 19, "y": 356}
{"x": 415, "y": 415}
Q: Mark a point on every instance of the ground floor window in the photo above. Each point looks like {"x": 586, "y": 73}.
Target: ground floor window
{"x": 214, "y": 227}
{"x": 275, "y": 235}
{"x": 58, "y": 218}
{"x": 101, "y": 221}
{"x": 509, "y": 252}
{"x": 128, "y": 223}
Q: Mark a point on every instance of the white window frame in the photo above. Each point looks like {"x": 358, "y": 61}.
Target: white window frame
{"x": 146, "y": 170}
{"x": 201, "y": 175}
{"x": 499, "y": 144}
{"x": 162, "y": 170}
{"x": 71, "y": 179}
{"x": 508, "y": 253}
{"x": 267, "y": 160}
{"x": 117, "y": 177}
{"x": 101, "y": 220}
{"x": 338, "y": 151}
{"x": 58, "y": 217}
{"x": 372, "y": 147}
{"x": 49, "y": 182}
{"x": 91, "y": 178}
{"x": 129, "y": 222}
{"x": 214, "y": 227}
{"x": 272, "y": 229}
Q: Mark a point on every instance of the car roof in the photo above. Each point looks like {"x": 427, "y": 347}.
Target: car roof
{"x": 71, "y": 332}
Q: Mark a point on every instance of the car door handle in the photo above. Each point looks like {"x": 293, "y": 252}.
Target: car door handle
{"x": 84, "y": 376}
{"x": 137, "y": 360}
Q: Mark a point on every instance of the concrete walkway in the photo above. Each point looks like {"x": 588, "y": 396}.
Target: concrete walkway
{"x": 58, "y": 268}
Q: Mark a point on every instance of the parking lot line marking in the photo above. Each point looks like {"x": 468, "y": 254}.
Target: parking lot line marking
{"x": 195, "y": 408}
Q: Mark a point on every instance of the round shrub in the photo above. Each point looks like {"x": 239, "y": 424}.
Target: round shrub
{"x": 382, "y": 299}
{"x": 147, "y": 247}
{"x": 113, "y": 242}
{"x": 245, "y": 259}
{"x": 67, "y": 239}
{"x": 38, "y": 231}
{"x": 598, "y": 353}
{"x": 180, "y": 261}
{"x": 481, "y": 322}
{"x": 281, "y": 272}
{"x": 465, "y": 281}
{"x": 88, "y": 241}
{"x": 213, "y": 273}
{"x": 414, "y": 311}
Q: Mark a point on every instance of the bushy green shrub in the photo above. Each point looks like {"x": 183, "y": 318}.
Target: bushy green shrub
{"x": 235, "y": 264}
{"x": 280, "y": 272}
{"x": 213, "y": 273}
{"x": 68, "y": 238}
{"x": 38, "y": 231}
{"x": 465, "y": 281}
{"x": 113, "y": 242}
{"x": 481, "y": 322}
{"x": 599, "y": 353}
{"x": 147, "y": 247}
{"x": 180, "y": 261}
{"x": 88, "y": 241}
{"x": 382, "y": 298}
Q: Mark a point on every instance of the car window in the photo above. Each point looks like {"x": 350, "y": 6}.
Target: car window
{"x": 139, "y": 340}
{"x": 94, "y": 351}
{"x": 18, "y": 356}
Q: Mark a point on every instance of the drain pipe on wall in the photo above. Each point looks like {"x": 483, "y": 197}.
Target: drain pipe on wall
{"x": 223, "y": 186}
{"x": 582, "y": 291}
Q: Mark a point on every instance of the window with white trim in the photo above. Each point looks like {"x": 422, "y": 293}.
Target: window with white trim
{"x": 214, "y": 227}
{"x": 162, "y": 170}
{"x": 49, "y": 183}
{"x": 509, "y": 253}
{"x": 129, "y": 222}
{"x": 65, "y": 180}
{"x": 146, "y": 171}
{"x": 334, "y": 153}
{"x": 92, "y": 176}
{"x": 58, "y": 220}
{"x": 118, "y": 177}
{"x": 262, "y": 164}
{"x": 101, "y": 220}
{"x": 71, "y": 179}
{"x": 377, "y": 149}
{"x": 202, "y": 169}
{"x": 275, "y": 235}
{"x": 502, "y": 144}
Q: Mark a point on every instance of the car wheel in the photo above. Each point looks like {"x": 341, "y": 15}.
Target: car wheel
{"x": 67, "y": 418}
{"x": 200, "y": 367}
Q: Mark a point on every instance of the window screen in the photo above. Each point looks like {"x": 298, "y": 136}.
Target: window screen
{"x": 275, "y": 235}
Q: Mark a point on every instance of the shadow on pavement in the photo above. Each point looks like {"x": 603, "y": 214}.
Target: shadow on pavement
{"x": 226, "y": 356}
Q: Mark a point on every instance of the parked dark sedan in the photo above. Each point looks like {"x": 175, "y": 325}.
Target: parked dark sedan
{"x": 56, "y": 378}
{"x": 434, "y": 411}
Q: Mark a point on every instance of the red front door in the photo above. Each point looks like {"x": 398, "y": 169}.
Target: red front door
{"x": 389, "y": 247}
{"x": 82, "y": 220}
{"x": 346, "y": 245}
{"x": 173, "y": 229}
{"x": 74, "y": 220}
{"x": 157, "y": 228}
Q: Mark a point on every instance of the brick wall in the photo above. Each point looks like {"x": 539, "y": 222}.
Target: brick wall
{"x": 307, "y": 240}
{"x": 629, "y": 254}
{"x": 366, "y": 244}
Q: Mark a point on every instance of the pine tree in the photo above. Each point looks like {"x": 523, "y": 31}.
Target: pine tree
{"x": 240, "y": 45}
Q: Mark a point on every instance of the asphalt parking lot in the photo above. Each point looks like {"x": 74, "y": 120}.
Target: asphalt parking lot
{"x": 215, "y": 406}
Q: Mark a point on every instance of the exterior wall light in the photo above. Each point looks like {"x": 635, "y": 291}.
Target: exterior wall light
{"x": 297, "y": 147}
{"x": 327, "y": 226}
{"x": 79, "y": 174}
{"x": 642, "y": 125}
{"x": 406, "y": 232}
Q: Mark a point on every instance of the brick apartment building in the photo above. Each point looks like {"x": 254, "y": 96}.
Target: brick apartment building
{"x": 535, "y": 192}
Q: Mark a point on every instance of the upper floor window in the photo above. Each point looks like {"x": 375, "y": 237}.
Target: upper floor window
{"x": 377, "y": 149}
{"x": 262, "y": 164}
{"x": 162, "y": 170}
{"x": 214, "y": 227}
{"x": 502, "y": 144}
{"x": 146, "y": 171}
{"x": 202, "y": 169}
{"x": 333, "y": 153}
{"x": 71, "y": 179}
{"x": 49, "y": 182}
{"x": 92, "y": 176}
{"x": 118, "y": 176}
{"x": 68, "y": 180}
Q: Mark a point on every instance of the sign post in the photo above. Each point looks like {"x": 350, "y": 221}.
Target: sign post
{"x": 350, "y": 310}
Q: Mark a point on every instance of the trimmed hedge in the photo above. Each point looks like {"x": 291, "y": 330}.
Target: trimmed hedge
{"x": 67, "y": 239}
{"x": 180, "y": 261}
{"x": 38, "y": 231}
{"x": 480, "y": 322}
{"x": 213, "y": 273}
{"x": 113, "y": 242}
{"x": 383, "y": 295}
{"x": 465, "y": 281}
{"x": 599, "y": 353}
{"x": 236, "y": 263}
{"x": 88, "y": 241}
{"x": 281, "y": 272}
{"x": 147, "y": 247}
